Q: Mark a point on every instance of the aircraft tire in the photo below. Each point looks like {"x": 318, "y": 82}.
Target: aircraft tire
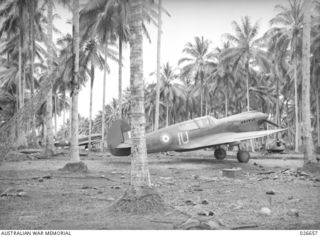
{"x": 220, "y": 153}
{"x": 243, "y": 156}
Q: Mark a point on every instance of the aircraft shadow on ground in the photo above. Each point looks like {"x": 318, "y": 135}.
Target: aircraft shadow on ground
{"x": 178, "y": 161}
{"x": 195, "y": 160}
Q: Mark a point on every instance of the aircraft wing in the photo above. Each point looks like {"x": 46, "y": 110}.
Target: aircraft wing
{"x": 226, "y": 138}
{"x": 126, "y": 144}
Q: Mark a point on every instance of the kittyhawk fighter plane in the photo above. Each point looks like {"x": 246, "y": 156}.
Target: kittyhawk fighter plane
{"x": 194, "y": 134}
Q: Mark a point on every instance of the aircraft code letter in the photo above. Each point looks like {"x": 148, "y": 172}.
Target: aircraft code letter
{"x": 183, "y": 137}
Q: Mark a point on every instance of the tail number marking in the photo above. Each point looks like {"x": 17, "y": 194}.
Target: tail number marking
{"x": 183, "y": 137}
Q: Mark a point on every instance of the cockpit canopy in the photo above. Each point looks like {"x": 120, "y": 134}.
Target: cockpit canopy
{"x": 202, "y": 122}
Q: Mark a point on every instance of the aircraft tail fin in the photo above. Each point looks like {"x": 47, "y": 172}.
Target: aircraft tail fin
{"x": 116, "y": 136}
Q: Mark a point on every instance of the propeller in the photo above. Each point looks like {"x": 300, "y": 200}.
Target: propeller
{"x": 272, "y": 123}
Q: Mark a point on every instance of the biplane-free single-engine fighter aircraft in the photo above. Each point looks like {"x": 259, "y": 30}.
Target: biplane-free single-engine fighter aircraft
{"x": 198, "y": 133}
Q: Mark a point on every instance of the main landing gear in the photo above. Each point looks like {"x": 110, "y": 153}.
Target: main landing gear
{"x": 220, "y": 153}
{"x": 242, "y": 156}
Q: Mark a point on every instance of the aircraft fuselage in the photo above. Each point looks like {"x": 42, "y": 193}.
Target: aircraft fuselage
{"x": 175, "y": 137}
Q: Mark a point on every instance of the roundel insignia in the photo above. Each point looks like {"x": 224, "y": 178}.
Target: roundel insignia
{"x": 165, "y": 138}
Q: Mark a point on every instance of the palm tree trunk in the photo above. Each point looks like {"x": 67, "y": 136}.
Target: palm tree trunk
{"x": 33, "y": 119}
{"x": 248, "y": 78}
{"x": 296, "y": 108}
{"x": 20, "y": 58}
{"x": 49, "y": 133}
{"x": 104, "y": 97}
{"x": 317, "y": 88}
{"x": 75, "y": 88}
{"x": 226, "y": 97}
{"x": 64, "y": 112}
{"x": 90, "y": 108}
{"x": 309, "y": 156}
{"x": 187, "y": 108}
{"x": 167, "y": 114}
{"x": 55, "y": 115}
{"x": 70, "y": 118}
{"x": 120, "y": 78}
{"x": 201, "y": 97}
{"x": 206, "y": 104}
{"x": 23, "y": 86}
{"x": 158, "y": 66}
{"x": 277, "y": 100}
{"x": 140, "y": 176}
{"x": 248, "y": 100}
{"x": 318, "y": 114}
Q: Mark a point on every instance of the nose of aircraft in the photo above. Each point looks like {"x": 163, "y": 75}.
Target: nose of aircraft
{"x": 264, "y": 116}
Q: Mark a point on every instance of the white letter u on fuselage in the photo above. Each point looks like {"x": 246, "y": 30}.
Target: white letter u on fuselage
{"x": 183, "y": 137}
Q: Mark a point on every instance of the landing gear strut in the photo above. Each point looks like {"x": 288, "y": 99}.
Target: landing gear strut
{"x": 243, "y": 156}
{"x": 220, "y": 153}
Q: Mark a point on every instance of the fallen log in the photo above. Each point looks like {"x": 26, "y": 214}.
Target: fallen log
{"x": 30, "y": 151}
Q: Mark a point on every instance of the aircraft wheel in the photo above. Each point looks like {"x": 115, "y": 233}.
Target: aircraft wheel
{"x": 220, "y": 153}
{"x": 243, "y": 156}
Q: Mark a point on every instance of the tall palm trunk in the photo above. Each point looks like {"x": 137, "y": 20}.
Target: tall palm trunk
{"x": 309, "y": 156}
{"x": 90, "y": 108}
{"x": 139, "y": 165}
{"x": 64, "y": 112}
{"x": 158, "y": 66}
{"x": 55, "y": 115}
{"x": 104, "y": 96}
{"x": 23, "y": 84}
{"x": 201, "y": 97}
{"x": 20, "y": 57}
{"x": 120, "y": 77}
{"x": 167, "y": 114}
{"x": 33, "y": 119}
{"x": 187, "y": 107}
{"x": 318, "y": 113}
{"x": 296, "y": 107}
{"x": 206, "y": 103}
{"x": 49, "y": 133}
{"x": 247, "y": 85}
{"x": 277, "y": 94}
{"x": 248, "y": 100}
{"x": 226, "y": 97}
{"x": 317, "y": 88}
{"x": 75, "y": 85}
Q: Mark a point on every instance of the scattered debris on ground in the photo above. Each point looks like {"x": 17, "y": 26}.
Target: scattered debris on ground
{"x": 266, "y": 194}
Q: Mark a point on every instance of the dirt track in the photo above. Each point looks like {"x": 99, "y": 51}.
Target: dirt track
{"x": 35, "y": 195}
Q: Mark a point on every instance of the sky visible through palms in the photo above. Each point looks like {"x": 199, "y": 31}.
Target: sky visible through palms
{"x": 189, "y": 18}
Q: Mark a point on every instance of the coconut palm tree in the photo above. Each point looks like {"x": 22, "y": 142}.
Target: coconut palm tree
{"x": 246, "y": 48}
{"x": 74, "y": 148}
{"x": 199, "y": 57}
{"x": 92, "y": 53}
{"x": 171, "y": 93}
{"x": 309, "y": 156}
{"x": 96, "y": 19}
{"x": 315, "y": 49}
{"x": 158, "y": 66}
{"x": 288, "y": 28}
{"x": 49, "y": 143}
{"x": 139, "y": 169}
{"x": 279, "y": 55}
{"x": 224, "y": 74}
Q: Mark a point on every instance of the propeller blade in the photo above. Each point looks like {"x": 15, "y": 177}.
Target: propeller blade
{"x": 272, "y": 123}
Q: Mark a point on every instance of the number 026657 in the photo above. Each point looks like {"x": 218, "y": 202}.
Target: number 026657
{"x": 309, "y": 232}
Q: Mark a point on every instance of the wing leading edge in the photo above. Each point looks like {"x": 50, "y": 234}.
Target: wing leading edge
{"x": 226, "y": 138}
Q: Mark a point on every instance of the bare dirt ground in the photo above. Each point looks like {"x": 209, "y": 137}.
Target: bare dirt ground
{"x": 34, "y": 194}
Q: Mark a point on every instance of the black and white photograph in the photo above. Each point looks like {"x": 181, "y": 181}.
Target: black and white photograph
{"x": 159, "y": 115}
